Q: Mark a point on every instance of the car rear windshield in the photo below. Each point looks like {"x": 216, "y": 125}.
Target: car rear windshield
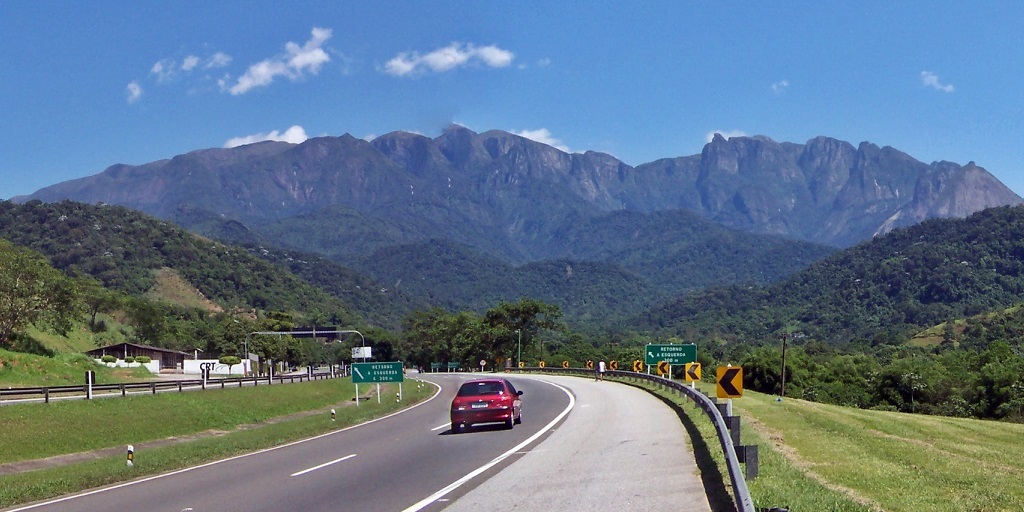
{"x": 481, "y": 388}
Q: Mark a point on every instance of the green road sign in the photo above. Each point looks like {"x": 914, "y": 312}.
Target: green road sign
{"x": 435, "y": 366}
{"x": 673, "y": 354}
{"x": 377, "y": 372}
{"x": 454, "y": 366}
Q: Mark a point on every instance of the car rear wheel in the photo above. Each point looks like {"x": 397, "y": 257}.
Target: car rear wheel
{"x": 519, "y": 419}
{"x": 456, "y": 428}
{"x": 509, "y": 423}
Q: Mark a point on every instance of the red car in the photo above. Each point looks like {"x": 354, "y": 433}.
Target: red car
{"x": 486, "y": 401}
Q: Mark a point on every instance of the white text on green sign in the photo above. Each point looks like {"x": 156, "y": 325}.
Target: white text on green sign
{"x": 673, "y": 354}
{"x": 377, "y": 372}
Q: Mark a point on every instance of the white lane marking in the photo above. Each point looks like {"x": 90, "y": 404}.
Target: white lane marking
{"x": 229, "y": 459}
{"x": 439, "y": 427}
{"x": 321, "y": 466}
{"x": 473, "y": 474}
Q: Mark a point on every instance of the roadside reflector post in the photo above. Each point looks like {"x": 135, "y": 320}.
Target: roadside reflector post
{"x": 334, "y": 415}
{"x": 131, "y": 455}
{"x": 378, "y": 393}
{"x": 90, "y": 379}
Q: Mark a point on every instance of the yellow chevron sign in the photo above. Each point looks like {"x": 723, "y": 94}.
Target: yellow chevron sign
{"x": 692, "y": 372}
{"x": 663, "y": 368}
{"x": 730, "y": 381}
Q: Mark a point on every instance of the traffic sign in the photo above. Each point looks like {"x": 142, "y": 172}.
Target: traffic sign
{"x": 613, "y": 365}
{"x": 692, "y": 372}
{"x": 522, "y": 364}
{"x": 435, "y": 366}
{"x": 673, "y": 354}
{"x": 540, "y": 364}
{"x": 590, "y": 364}
{"x": 663, "y": 368}
{"x": 730, "y": 381}
{"x": 454, "y": 365}
{"x": 377, "y": 372}
{"x": 638, "y": 366}
{"x": 565, "y": 364}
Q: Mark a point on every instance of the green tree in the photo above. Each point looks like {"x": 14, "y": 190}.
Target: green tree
{"x": 230, "y": 361}
{"x": 98, "y": 299}
{"x": 528, "y": 316}
{"x": 33, "y": 292}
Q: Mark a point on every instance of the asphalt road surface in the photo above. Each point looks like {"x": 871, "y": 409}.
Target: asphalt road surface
{"x": 583, "y": 445}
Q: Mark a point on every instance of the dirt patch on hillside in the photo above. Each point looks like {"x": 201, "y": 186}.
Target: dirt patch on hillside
{"x": 170, "y": 287}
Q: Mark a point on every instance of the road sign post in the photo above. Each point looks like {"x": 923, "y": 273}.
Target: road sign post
{"x": 377, "y": 373}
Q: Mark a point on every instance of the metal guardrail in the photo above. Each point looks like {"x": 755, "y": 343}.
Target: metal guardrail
{"x": 744, "y": 503}
{"x": 48, "y": 392}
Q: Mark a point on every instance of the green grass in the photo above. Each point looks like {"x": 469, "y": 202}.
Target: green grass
{"x": 270, "y": 415}
{"x": 18, "y": 370}
{"x": 823, "y": 457}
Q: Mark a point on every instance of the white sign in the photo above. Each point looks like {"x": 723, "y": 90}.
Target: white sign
{"x": 362, "y": 352}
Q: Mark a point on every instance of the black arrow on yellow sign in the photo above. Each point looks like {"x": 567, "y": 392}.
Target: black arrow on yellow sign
{"x": 638, "y": 366}
{"x": 692, "y": 372}
{"x": 730, "y": 381}
{"x": 663, "y": 368}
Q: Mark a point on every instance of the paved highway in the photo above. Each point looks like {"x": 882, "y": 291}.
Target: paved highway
{"x": 582, "y": 445}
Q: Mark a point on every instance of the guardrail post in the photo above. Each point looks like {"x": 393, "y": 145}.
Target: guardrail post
{"x": 46, "y": 395}
{"x": 748, "y": 456}
{"x": 124, "y": 392}
{"x": 153, "y": 385}
{"x": 733, "y": 422}
{"x": 179, "y": 386}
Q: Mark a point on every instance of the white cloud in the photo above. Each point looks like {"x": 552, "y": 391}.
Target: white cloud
{"x": 728, "y": 134}
{"x": 163, "y": 69}
{"x": 780, "y": 87}
{"x": 448, "y": 58}
{"x": 930, "y": 79}
{"x": 218, "y": 60}
{"x": 134, "y": 91}
{"x": 296, "y": 135}
{"x": 189, "y": 63}
{"x": 296, "y": 61}
{"x": 543, "y": 135}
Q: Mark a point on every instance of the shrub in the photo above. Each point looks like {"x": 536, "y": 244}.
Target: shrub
{"x": 129, "y": 359}
{"x": 143, "y": 359}
{"x": 108, "y": 359}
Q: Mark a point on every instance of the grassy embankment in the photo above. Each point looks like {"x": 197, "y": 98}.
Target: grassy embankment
{"x": 831, "y": 458}
{"x": 218, "y": 423}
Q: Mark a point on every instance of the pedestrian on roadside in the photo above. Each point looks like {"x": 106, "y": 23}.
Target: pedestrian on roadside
{"x": 600, "y": 370}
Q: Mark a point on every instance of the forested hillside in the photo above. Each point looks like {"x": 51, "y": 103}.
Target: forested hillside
{"x": 455, "y": 277}
{"x": 885, "y": 289}
{"x": 123, "y": 249}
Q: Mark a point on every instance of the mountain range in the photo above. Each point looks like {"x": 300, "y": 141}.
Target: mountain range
{"x": 405, "y": 208}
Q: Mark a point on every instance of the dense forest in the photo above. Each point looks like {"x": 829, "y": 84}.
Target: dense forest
{"x": 925, "y": 319}
{"x": 887, "y": 288}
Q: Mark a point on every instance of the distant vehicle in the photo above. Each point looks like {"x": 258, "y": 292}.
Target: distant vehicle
{"x": 486, "y": 401}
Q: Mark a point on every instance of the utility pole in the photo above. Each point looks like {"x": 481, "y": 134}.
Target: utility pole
{"x": 782, "y": 394}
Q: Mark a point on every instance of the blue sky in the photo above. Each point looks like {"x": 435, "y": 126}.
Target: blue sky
{"x": 86, "y": 85}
